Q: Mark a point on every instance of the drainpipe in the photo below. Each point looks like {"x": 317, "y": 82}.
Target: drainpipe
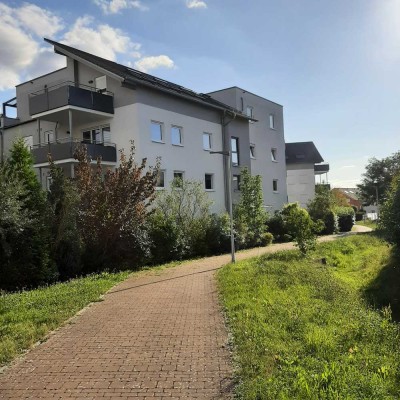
{"x": 227, "y": 162}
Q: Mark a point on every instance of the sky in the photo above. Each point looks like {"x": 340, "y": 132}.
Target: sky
{"x": 333, "y": 65}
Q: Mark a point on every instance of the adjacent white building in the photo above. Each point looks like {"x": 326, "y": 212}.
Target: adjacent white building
{"x": 303, "y": 163}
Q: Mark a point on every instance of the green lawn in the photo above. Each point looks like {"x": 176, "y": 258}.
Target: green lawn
{"x": 368, "y": 223}
{"x": 305, "y": 329}
{"x": 29, "y": 316}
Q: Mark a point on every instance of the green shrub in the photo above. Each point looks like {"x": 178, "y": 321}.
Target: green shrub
{"x": 276, "y": 225}
{"x": 360, "y": 215}
{"x": 345, "y": 218}
{"x": 330, "y": 223}
{"x": 301, "y": 226}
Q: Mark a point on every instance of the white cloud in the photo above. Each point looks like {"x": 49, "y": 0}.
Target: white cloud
{"x": 103, "y": 40}
{"x": 24, "y": 55}
{"x": 347, "y": 166}
{"x": 196, "y": 4}
{"x": 116, "y": 6}
{"x": 147, "y": 64}
{"x": 39, "y": 21}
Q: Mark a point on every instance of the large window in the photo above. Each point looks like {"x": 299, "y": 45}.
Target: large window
{"x": 176, "y": 136}
{"x": 235, "y": 150}
{"x": 206, "y": 141}
{"x": 209, "y": 181}
{"x": 98, "y": 134}
{"x": 156, "y": 131}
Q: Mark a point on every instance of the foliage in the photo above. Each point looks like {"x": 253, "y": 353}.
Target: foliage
{"x": 66, "y": 243}
{"x": 390, "y": 213}
{"x": 250, "y": 216}
{"x": 113, "y": 210}
{"x": 321, "y": 208}
{"x": 301, "y": 227}
{"x": 338, "y": 198}
{"x": 277, "y": 227}
{"x": 345, "y": 218}
{"x": 181, "y": 222}
{"x": 302, "y": 330}
{"x": 25, "y": 263}
{"x": 29, "y": 316}
{"x": 378, "y": 174}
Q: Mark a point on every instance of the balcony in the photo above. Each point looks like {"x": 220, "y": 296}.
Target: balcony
{"x": 67, "y": 94}
{"x": 320, "y": 169}
{"x": 64, "y": 150}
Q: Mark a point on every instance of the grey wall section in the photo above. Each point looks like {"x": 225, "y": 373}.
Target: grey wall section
{"x": 300, "y": 183}
{"x": 36, "y": 84}
{"x": 264, "y": 139}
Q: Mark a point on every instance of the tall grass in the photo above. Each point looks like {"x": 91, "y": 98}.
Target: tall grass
{"x": 302, "y": 328}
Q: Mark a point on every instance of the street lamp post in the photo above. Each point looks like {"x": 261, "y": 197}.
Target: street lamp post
{"x": 229, "y": 188}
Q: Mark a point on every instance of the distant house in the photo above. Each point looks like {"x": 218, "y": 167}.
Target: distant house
{"x": 351, "y": 195}
{"x": 303, "y": 164}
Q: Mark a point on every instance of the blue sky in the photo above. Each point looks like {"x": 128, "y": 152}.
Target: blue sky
{"x": 333, "y": 65}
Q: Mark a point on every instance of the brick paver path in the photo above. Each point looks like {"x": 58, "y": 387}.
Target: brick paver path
{"x": 159, "y": 336}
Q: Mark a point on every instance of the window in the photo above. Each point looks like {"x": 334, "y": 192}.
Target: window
{"x": 252, "y": 151}
{"x": 176, "y": 136}
{"x": 275, "y": 185}
{"x": 178, "y": 178}
{"x": 156, "y": 131}
{"x": 236, "y": 183}
{"x": 209, "y": 181}
{"x": 249, "y": 111}
{"x": 207, "y": 141}
{"x": 273, "y": 155}
{"x": 160, "y": 180}
{"x": 98, "y": 134}
{"x": 272, "y": 121}
{"x": 235, "y": 150}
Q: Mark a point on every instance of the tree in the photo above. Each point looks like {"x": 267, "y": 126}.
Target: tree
{"x": 301, "y": 227}
{"x": 378, "y": 175}
{"x": 389, "y": 220}
{"x": 321, "y": 209}
{"x": 250, "y": 216}
{"x": 28, "y": 263}
{"x": 113, "y": 208}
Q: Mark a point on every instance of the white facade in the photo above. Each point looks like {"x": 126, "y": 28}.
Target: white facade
{"x": 301, "y": 183}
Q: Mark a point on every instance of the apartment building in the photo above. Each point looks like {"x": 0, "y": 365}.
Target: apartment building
{"x": 304, "y": 163}
{"x": 106, "y": 105}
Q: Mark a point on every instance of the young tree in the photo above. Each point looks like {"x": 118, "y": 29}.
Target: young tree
{"x": 113, "y": 209}
{"x": 301, "y": 227}
{"x": 250, "y": 216}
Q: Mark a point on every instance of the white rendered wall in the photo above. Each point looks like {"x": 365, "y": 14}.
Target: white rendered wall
{"x": 301, "y": 183}
{"x": 132, "y": 122}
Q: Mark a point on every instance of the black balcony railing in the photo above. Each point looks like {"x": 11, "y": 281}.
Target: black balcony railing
{"x": 65, "y": 149}
{"x": 321, "y": 168}
{"x": 67, "y": 94}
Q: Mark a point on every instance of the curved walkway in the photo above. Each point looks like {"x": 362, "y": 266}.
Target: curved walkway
{"x": 158, "y": 336}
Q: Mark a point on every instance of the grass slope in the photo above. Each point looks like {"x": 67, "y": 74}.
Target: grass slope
{"x": 304, "y": 330}
{"x": 29, "y": 316}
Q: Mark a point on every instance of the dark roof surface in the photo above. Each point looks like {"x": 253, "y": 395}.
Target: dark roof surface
{"x": 130, "y": 75}
{"x": 302, "y": 153}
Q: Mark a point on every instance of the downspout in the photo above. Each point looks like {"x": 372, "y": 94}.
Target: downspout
{"x": 226, "y": 147}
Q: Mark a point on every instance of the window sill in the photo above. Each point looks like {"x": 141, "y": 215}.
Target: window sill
{"x": 177, "y": 145}
{"x": 276, "y": 192}
{"x": 160, "y": 188}
{"x": 157, "y": 141}
{"x": 252, "y": 158}
{"x": 275, "y": 161}
{"x": 207, "y": 149}
{"x": 209, "y": 190}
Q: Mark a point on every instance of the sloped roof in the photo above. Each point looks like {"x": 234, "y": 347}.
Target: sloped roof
{"x": 302, "y": 153}
{"x": 133, "y": 77}
{"x": 350, "y": 192}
